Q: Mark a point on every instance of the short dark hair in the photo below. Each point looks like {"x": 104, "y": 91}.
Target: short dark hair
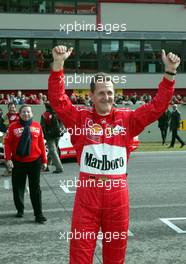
{"x": 99, "y": 77}
{"x": 10, "y": 104}
{"x": 48, "y": 107}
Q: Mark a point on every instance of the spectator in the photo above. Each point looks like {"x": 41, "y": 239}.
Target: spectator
{"x": 147, "y": 98}
{"x": 13, "y": 99}
{"x": 52, "y": 130}
{"x": 127, "y": 101}
{"x": 12, "y": 114}
{"x": 19, "y": 98}
{"x": 80, "y": 99}
{"x": 40, "y": 98}
{"x": 45, "y": 99}
{"x": 73, "y": 98}
{"x": 184, "y": 100}
{"x": 7, "y": 98}
{"x": 24, "y": 152}
{"x": 40, "y": 60}
{"x": 2, "y": 125}
{"x": 36, "y": 100}
{"x": 119, "y": 99}
{"x": 18, "y": 60}
{"x": 174, "y": 125}
{"x": 134, "y": 98}
{"x": 32, "y": 99}
{"x": 140, "y": 100}
{"x": 163, "y": 124}
{"x": 179, "y": 99}
{"x": 175, "y": 100}
{"x": 2, "y": 99}
{"x": 23, "y": 98}
{"x": 87, "y": 100}
{"x": 10, "y": 117}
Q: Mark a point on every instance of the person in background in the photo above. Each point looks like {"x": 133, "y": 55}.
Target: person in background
{"x": 45, "y": 99}
{"x": 40, "y": 60}
{"x": 163, "y": 124}
{"x": 19, "y": 98}
{"x": 174, "y": 125}
{"x": 87, "y": 100}
{"x": 24, "y": 154}
{"x": 40, "y": 98}
{"x": 52, "y": 130}
{"x": 2, "y": 99}
{"x": 32, "y": 99}
{"x": 2, "y": 125}
{"x": 12, "y": 114}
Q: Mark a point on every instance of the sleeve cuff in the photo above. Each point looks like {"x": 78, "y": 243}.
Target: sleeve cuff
{"x": 45, "y": 161}
{"x": 168, "y": 82}
{"x": 8, "y": 158}
{"x": 56, "y": 73}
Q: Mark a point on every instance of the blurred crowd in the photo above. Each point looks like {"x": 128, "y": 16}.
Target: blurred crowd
{"x": 125, "y": 100}
{"x": 20, "y": 98}
{"x": 122, "y": 100}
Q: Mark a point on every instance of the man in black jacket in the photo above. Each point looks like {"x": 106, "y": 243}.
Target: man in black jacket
{"x": 174, "y": 125}
{"x": 52, "y": 130}
{"x": 163, "y": 124}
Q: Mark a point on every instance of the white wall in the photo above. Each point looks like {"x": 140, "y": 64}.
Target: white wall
{"x": 145, "y": 17}
{"x": 40, "y": 81}
{"x": 42, "y": 21}
{"x": 138, "y": 17}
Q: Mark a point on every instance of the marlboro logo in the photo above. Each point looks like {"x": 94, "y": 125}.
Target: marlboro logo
{"x": 104, "y": 163}
{"x": 103, "y": 159}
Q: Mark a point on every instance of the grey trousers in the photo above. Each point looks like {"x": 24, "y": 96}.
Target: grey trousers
{"x": 53, "y": 153}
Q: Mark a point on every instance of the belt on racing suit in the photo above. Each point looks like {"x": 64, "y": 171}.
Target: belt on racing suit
{"x": 99, "y": 177}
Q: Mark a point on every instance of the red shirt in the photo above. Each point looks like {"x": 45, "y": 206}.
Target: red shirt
{"x": 12, "y": 139}
{"x": 12, "y": 117}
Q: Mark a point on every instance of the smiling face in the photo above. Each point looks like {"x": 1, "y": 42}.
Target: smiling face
{"x": 12, "y": 109}
{"x": 26, "y": 113}
{"x": 103, "y": 97}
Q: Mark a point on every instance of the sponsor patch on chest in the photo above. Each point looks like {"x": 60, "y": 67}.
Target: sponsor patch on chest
{"x": 95, "y": 131}
{"x": 18, "y": 131}
{"x": 103, "y": 159}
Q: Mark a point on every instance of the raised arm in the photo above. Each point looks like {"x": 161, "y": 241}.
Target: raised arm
{"x": 148, "y": 113}
{"x": 59, "y": 100}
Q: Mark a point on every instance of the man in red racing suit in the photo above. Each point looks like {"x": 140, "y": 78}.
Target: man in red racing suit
{"x": 102, "y": 138}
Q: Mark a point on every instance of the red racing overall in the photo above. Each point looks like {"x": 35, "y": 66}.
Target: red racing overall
{"x": 103, "y": 146}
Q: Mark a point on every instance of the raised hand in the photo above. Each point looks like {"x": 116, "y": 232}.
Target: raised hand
{"x": 171, "y": 61}
{"x": 60, "y": 54}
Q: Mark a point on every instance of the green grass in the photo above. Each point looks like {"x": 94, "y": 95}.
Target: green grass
{"x": 157, "y": 146}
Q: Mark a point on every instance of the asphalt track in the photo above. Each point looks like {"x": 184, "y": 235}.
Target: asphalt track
{"x": 157, "y": 184}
